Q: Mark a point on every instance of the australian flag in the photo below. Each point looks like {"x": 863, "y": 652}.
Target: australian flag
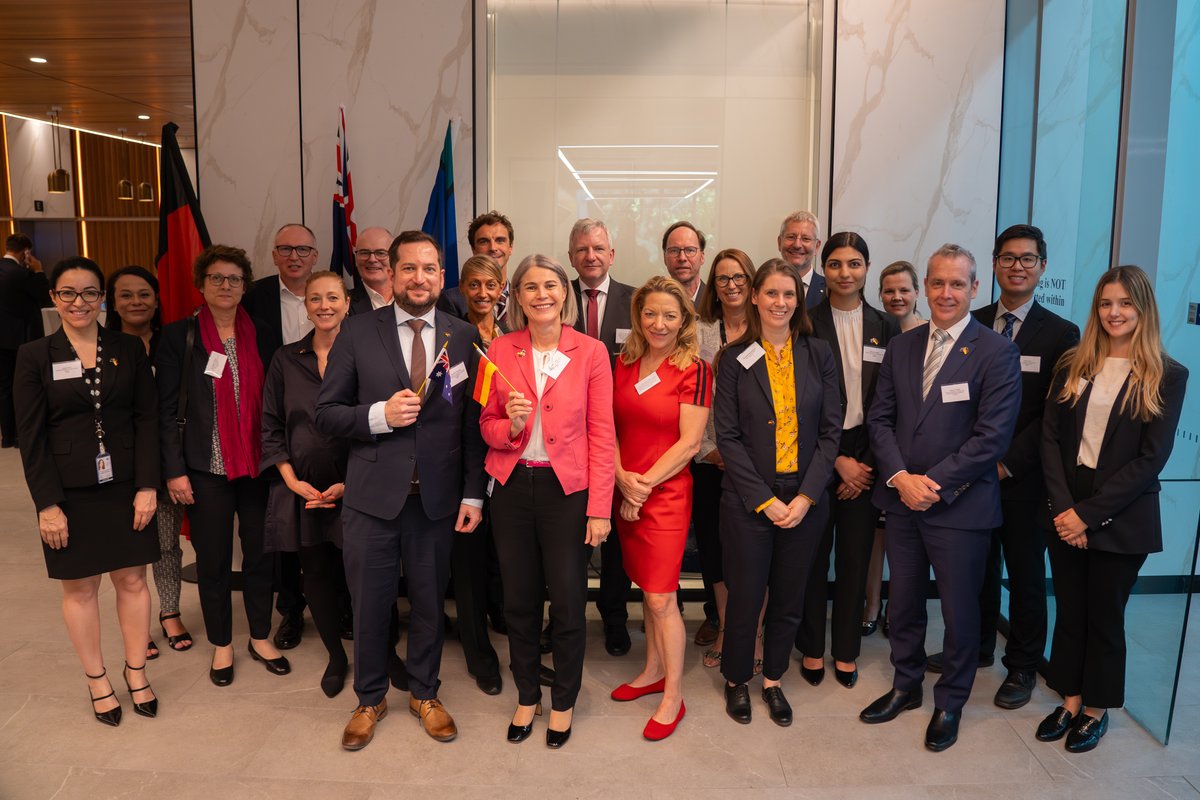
{"x": 345, "y": 232}
{"x": 441, "y": 371}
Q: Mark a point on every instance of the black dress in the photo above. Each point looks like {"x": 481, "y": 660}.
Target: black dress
{"x": 57, "y": 429}
{"x": 289, "y": 434}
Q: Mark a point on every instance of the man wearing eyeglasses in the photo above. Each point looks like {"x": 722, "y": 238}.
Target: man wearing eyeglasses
{"x": 683, "y": 255}
{"x": 374, "y": 289}
{"x": 490, "y": 234}
{"x": 799, "y": 242}
{"x": 1019, "y": 261}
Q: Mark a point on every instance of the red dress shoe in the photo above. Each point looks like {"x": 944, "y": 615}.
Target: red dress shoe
{"x": 656, "y": 731}
{"x": 625, "y": 692}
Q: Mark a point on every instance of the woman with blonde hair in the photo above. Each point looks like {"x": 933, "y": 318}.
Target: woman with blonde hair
{"x": 481, "y": 280}
{"x": 1108, "y": 430}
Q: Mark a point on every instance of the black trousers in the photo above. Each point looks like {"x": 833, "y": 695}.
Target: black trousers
{"x": 1020, "y": 544}
{"x": 540, "y": 539}
{"x": 8, "y": 414}
{"x": 759, "y": 557}
{"x": 218, "y": 499}
{"x": 613, "y": 598}
{"x": 374, "y": 550}
{"x": 469, "y": 573}
{"x": 852, "y": 525}
{"x": 706, "y": 524}
{"x": 290, "y": 585}
{"x": 325, "y": 586}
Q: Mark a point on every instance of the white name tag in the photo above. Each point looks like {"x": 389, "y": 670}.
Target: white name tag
{"x": 1031, "y": 363}
{"x": 647, "y": 383}
{"x": 956, "y": 392}
{"x": 554, "y": 364}
{"x": 458, "y": 374}
{"x": 873, "y": 354}
{"x": 216, "y": 365}
{"x": 622, "y": 335}
{"x": 65, "y": 370}
{"x": 751, "y": 354}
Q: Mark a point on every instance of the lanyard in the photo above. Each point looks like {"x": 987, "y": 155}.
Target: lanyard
{"x": 93, "y": 384}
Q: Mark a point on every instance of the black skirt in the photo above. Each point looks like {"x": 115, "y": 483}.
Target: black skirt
{"x": 100, "y": 534}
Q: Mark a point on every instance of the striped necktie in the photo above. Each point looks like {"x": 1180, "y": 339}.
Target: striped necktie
{"x": 934, "y": 362}
{"x": 1010, "y": 319}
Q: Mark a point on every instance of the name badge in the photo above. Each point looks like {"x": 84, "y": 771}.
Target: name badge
{"x": 555, "y": 364}
{"x": 1031, "y": 363}
{"x": 458, "y": 374}
{"x": 956, "y": 393}
{"x": 647, "y": 383}
{"x": 216, "y": 365}
{"x": 873, "y": 354}
{"x": 104, "y": 471}
{"x": 751, "y": 354}
{"x": 65, "y": 370}
{"x": 622, "y": 335}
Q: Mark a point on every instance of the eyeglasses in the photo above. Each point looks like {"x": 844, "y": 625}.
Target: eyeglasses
{"x": 302, "y": 250}
{"x": 690, "y": 252}
{"x": 792, "y": 238}
{"x": 67, "y": 296}
{"x": 736, "y": 280}
{"x": 369, "y": 254}
{"x": 217, "y": 279}
{"x": 1027, "y": 261}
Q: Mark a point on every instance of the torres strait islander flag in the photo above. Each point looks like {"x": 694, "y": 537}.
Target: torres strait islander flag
{"x": 345, "y": 232}
{"x": 181, "y": 232}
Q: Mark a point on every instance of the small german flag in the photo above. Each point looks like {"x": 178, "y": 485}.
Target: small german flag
{"x": 483, "y": 380}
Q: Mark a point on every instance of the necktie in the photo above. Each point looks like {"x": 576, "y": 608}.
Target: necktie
{"x": 1010, "y": 319}
{"x": 416, "y": 370}
{"x": 593, "y": 313}
{"x": 934, "y": 362}
{"x": 501, "y": 303}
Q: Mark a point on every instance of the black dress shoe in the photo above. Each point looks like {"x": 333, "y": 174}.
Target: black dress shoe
{"x": 1055, "y": 725}
{"x": 943, "y": 730}
{"x": 888, "y": 707}
{"x": 1016, "y": 689}
{"x": 556, "y": 739}
{"x": 291, "y": 630}
{"x": 275, "y": 666}
{"x": 490, "y": 684}
{"x": 870, "y": 626}
{"x": 936, "y": 662}
{"x": 846, "y": 678}
{"x": 544, "y": 643}
{"x": 1086, "y": 733}
{"x": 397, "y": 672}
{"x": 616, "y": 640}
{"x": 334, "y": 679}
{"x": 777, "y": 705}
{"x": 813, "y": 676}
{"x": 519, "y": 733}
{"x": 737, "y": 702}
{"x": 545, "y": 675}
{"x": 222, "y": 676}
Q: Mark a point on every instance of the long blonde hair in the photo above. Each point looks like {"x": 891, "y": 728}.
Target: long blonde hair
{"x": 687, "y": 344}
{"x": 1083, "y": 362}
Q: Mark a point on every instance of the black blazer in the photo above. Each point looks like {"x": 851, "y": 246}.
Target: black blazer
{"x": 451, "y": 301}
{"x": 1123, "y": 513}
{"x": 1047, "y": 336}
{"x": 745, "y": 421}
{"x": 878, "y": 330}
{"x": 360, "y": 303}
{"x": 444, "y": 445}
{"x": 23, "y": 294}
{"x": 194, "y": 449}
{"x": 815, "y": 293}
{"x": 262, "y": 301}
{"x": 616, "y": 314}
{"x": 56, "y": 421}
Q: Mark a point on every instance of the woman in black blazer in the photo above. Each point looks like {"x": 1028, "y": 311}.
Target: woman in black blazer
{"x": 858, "y": 335}
{"x": 1108, "y": 428}
{"x": 211, "y": 448}
{"x": 87, "y": 421}
{"x": 779, "y": 421}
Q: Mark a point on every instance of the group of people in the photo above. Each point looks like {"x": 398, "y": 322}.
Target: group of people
{"x": 402, "y": 437}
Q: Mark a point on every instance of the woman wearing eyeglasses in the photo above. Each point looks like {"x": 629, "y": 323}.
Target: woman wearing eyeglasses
{"x": 88, "y": 426}
{"x": 211, "y": 450}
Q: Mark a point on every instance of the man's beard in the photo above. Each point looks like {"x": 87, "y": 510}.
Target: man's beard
{"x": 412, "y": 308}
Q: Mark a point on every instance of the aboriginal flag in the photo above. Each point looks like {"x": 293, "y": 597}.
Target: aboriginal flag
{"x": 181, "y": 232}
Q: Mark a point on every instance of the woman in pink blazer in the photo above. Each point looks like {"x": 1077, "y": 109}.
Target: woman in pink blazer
{"x": 552, "y": 455}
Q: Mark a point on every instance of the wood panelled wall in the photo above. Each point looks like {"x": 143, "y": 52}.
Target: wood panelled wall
{"x": 116, "y": 232}
{"x": 6, "y": 226}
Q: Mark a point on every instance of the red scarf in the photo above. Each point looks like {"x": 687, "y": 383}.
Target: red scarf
{"x": 239, "y": 424}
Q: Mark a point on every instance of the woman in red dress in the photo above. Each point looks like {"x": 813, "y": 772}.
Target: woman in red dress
{"x": 662, "y": 391}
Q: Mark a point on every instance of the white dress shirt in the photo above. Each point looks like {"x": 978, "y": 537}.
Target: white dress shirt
{"x": 293, "y": 315}
{"x": 377, "y": 301}
{"x": 1106, "y": 388}
{"x": 1020, "y": 313}
{"x": 848, "y": 325}
{"x": 535, "y": 450}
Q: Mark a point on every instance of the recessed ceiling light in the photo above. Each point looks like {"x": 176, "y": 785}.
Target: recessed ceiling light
{"x": 37, "y": 59}
{"x": 143, "y": 116}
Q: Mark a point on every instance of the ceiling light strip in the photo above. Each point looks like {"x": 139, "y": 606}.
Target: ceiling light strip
{"x": 75, "y": 128}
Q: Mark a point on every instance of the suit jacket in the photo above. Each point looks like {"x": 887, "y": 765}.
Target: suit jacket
{"x": 815, "y": 293}
{"x": 616, "y": 315}
{"x": 193, "y": 449}
{"x": 745, "y": 412}
{"x": 699, "y": 294}
{"x": 1122, "y": 514}
{"x": 56, "y": 421}
{"x": 1046, "y": 336}
{"x": 877, "y": 330}
{"x": 957, "y": 444}
{"x": 452, "y": 302}
{"x": 262, "y": 301}
{"x": 366, "y": 366}
{"x": 360, "y": 303}
{"x": 576, "y": 410}
{"x": 23, "y": 293}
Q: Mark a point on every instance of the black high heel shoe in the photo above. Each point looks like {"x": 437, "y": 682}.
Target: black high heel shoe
{"x": 148, "y": 708}
{"x": 174, "y": 640}
{"x": 519, "y": 733}
{"x": 113, "y": 715}
{"x": 275, "y": 666}
{"x": 556, "y": 739}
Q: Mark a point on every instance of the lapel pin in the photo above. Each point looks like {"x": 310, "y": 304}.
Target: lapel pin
{"x": 874, "y": 340}
{"x": 521, "y": 353}
{"x": 966, "y": 351}
{"x": 114, "y": 362}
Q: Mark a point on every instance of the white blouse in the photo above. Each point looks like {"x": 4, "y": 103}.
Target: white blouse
{"x": 535, "y": 450}
{"x": 848, "y": 325}
{"x": 1106, "y": 387}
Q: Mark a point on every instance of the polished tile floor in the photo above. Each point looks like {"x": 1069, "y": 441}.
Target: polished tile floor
{"x": 278, "y": 737}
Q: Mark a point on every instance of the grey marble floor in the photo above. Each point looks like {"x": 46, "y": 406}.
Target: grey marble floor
{"x": 278, "y": 737}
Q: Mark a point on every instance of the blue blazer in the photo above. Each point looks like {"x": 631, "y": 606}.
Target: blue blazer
{"x": 956, "y": 444}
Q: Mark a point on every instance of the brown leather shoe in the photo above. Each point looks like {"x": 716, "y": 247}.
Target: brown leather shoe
{"x": 707, "y": 634}
{"x": 360, "y": 730}
{"x": 434, "y": 717}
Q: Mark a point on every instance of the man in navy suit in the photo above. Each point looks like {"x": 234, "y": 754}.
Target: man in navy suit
{"x": 799, "y": 242}
{"x": 415, "y": 475}
{"x": 374, "y": 287}
{"x": 945, "y": 409}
